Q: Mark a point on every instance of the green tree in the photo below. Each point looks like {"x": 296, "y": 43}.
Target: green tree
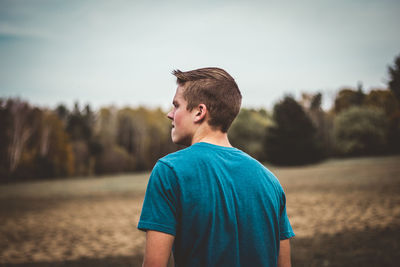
{"x": 62, "y": 113}
{"x": 383, "y": 99}
{"x": 322, "y": 121}
{"x": 394, "y": 73}
{"x": 5, "y": 122}
{"x": 248, "y": 131}
{"x": 106, "y": 126}
{"x": 80, "y": 124}
{"x": 361, "y": 131}
{"x": 112, "y": 158}
{"x": 292, "y": 138}
{"x": 386, "y": 100}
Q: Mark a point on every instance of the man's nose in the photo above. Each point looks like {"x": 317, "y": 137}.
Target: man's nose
{"x": 170, "y": 114}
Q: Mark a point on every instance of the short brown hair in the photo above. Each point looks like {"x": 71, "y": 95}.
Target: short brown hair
{"x": 215, "y": 88}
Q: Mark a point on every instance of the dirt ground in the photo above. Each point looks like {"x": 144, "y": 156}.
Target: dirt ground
{"x": 344, "y": 213}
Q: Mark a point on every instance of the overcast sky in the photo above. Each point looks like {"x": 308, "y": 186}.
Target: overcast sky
{"x": 122, "y": 52}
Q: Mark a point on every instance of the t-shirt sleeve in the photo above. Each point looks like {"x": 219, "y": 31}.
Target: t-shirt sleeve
{"x": 285, "y": 229}
{"x": 159, "y": 209}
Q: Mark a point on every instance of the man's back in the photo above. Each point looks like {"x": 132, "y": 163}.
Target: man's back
{"x": 223, "y": 207}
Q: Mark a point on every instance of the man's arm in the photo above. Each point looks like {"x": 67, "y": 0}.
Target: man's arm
{"x": 158, "y": 249}
{"x": 284, "y": 254}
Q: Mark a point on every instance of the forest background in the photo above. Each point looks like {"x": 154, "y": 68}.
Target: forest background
{"x": 39, "y": 142}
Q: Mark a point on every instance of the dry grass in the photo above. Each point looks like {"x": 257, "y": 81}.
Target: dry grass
{"x": 344, "y": 213}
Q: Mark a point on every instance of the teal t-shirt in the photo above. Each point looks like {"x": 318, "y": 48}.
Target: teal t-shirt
{"x": 223, "y": 207}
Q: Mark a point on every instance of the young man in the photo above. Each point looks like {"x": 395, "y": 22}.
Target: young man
{"x": 211, "y": 203}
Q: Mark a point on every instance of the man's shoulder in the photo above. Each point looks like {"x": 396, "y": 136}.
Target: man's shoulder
{"x": 177, "y": 157}
{"x": 208, "y": 154}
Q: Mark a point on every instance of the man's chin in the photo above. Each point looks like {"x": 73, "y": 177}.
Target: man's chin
{"x": 181, "y": 142}
{"x": 175, "y": 140}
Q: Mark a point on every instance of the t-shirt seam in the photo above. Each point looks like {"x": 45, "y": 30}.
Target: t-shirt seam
{"x": 286, "y": 235}
{"x": 167, "y": 164}
{"x": 172, "y": 170}
{"x": 178, "y": 187}
{"x": 147, "y": 225}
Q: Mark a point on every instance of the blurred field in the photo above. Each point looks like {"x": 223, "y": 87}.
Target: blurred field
{"x": 344, "y": 213}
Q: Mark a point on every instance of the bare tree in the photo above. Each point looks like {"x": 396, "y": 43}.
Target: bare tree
{"x": 20, "y": 132}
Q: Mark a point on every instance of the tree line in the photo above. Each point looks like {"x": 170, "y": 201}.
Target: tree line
{"x": 43, "y": 143}
{"x": 301, "y": 132}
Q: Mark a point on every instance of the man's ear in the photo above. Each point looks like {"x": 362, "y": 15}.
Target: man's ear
{"x": 201, "y": 112}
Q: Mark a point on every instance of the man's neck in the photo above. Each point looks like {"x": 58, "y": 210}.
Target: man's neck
{"x": 208, "y": 135}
